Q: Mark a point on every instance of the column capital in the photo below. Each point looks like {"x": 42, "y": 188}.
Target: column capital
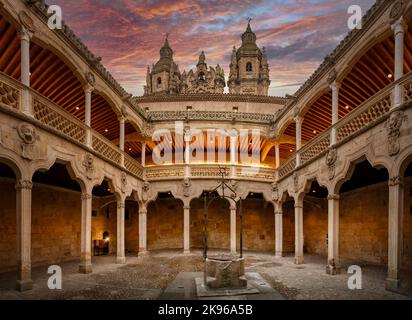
{"x": 233, "y": 207}
{"x": 186, "y": 207}
{"x": 299, "y": 204}
{"x": 121, "y": 205}
{"x": 25, "y": 34}
{"x": 278, "y": 212}
{"x": 335, "y": 86}
{"x": 399, "y": 26}
{"x": 88, "y": 88}
{"x": 333, "y": 196}
{"x": 24, "y": 185}
{"x": 142, "y": 210}
{"x": 86, "y": 196}
{"x": 395, "y": 181}
{"x": 298, "y": 119}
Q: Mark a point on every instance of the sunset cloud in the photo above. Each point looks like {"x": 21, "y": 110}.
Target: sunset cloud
{"x": 128, "y": 34}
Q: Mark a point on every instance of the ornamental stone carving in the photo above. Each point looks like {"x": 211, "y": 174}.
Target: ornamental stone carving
{"x": 332, "y": 76}
{"x": 186, "y": 187}
{"x": 26, "y": 21}
{"x": 123, "y": 179}
{"x": 145, "y": 188}
{"x": 124, "y": 112}
{"x": 28, "y": 135}
{"x": 331, "y": 158}
{"x": 295, "y": 182}
{"x": 121, "y": 205}
{"x": 90, "y": 79}
{"x": 275, "y": 192}
{"x": 394, "y": 181}
{"x": 397, "y": 11}
{"x": 393, "y": 126}
{"x": 24, "y": 185}
{"x": 88, "y": 164}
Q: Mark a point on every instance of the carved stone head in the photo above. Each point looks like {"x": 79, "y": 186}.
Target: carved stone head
{"x": 331, "y": 157}
{"x": 27, "y": 133}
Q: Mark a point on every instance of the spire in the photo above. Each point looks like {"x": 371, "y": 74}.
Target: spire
{"x": 249, "y": 36}
{"x": 166, "y": 51}
{"x": 202, "y": 58}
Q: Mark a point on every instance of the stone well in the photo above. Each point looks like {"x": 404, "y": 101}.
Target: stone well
{"x": 225, "y": 272}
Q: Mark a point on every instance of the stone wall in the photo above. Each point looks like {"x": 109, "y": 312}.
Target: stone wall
{"x": 288, "y": 227}
{"x": 258, "y": 226}
{"x": 407, "y": 226}
{"x": 165, "y": 224}
{"x": 218, "y": 224}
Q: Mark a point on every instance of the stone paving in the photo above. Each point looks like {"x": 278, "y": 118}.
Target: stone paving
{"x": 149, "y": 277}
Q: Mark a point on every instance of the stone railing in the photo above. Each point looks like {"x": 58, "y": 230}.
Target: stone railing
{"x": 288, "y": 166}
{"x": 258, "y": 173}
{"x": 407, "y": 85}
{"x": 9, "y": 94}
{"x": 56, "y": 118}
{"x": 165, "y": 172}
{"x": 210, "y": 116}
{"x": 315, "y": 147}
{"x": 367, "y": 113}
{"x": 106, "y": 148}
{"x": 209, "y": 171}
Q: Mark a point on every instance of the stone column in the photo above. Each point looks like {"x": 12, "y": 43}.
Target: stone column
{"x": 299, "y": 232}
{"x": 277, "y": 155}
{"x": 144, "y": 159}
{"x": 233, "y": 228}
{"x": 399, "y": 32}
{"x": 335, "y": 111}
{"x": 121, "y": 256}
{"x": 122, "y": 122}
{"x": 23, "y": 210}
{"x": 298, "y": 121}
{"x": 142, "y": 230}
{"x": 88, "y": 89}
{"x": 278, "y": 230}
{"x": 187, "y": 154}
{"x": 333, "y": 234}
{"x": 396, "y": 203}
{"x": 186, "y": 229}
{"x": 25, "y": 36}
{"x": 233, "y": 141}
{"x": 86, "y": 234}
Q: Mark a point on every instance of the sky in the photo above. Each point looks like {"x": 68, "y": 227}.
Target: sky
{"x": 128, "y": 34}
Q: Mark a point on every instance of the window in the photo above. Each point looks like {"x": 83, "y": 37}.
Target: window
{"x": 159, "y": 82}
{"x": 249, "y": 67}
{"x": 201, "y": 76}
{"x": 94, "y": 213}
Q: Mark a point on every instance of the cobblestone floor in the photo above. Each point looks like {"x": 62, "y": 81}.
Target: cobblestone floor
{"x": 147, "y": 278}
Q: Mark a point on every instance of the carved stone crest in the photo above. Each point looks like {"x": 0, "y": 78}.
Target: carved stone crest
{"x": 145, "y": 188}
{"x": 275, "y": 192}
{"x": 332, "y": 76}
{"x": 124, "y": 111}
{"x": 397, "y": 11}
{"x": 393, "y": 126}
{"x": 295, "y": 182}
{"x": 123, "y": 179}
{"x": 26, "y": 21}
{"x": 331, "y": 158}
{"x": 90, "y": 78}
{"x": 88, "y": 164}
{"x": 147, "y": 130}
{"x": 186, "y": 187}
{"x": 394, "y": 181}
{"x": 28, "y": 135}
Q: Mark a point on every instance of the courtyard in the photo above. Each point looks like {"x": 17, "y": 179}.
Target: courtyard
{"x": 150, "y": 278}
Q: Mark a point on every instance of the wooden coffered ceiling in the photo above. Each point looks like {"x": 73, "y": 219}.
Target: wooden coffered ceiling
{"x": 371, "y": 73}
{"x": 52, "y": 78}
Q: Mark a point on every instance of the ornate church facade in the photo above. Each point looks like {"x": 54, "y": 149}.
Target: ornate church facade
{"x": 249, "y": 72}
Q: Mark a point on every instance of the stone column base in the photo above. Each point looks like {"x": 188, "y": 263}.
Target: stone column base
{"x": 278, "y": 254}
{"x": 142, "y": 253}
{"x": 392, "y": 284}
{"x": 186, "y": 251}
{"x": 24, "y": 285}
{"x": 332, "y": 270}
{"x": 120, "y": 260}
{"x": 85, "y": 268}
{"x": 299, "y": 260}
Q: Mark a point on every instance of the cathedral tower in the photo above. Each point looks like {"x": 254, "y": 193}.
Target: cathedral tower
{"x": 249, "y": 69}
{"x": 164, "y": 78}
